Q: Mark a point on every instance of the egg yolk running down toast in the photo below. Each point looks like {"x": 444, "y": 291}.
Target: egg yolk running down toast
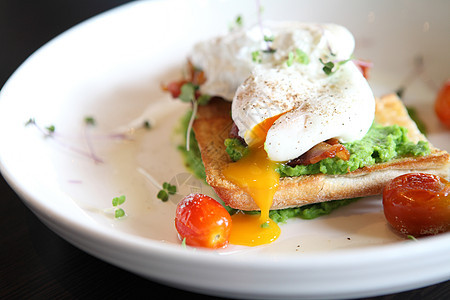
{"x": 255, "y": 174}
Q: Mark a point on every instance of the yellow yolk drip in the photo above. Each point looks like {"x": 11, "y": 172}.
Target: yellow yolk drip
{"x": 255, "y": 173}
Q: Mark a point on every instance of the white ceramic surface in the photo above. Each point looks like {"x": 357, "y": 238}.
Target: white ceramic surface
{"x": 111, "y": 67}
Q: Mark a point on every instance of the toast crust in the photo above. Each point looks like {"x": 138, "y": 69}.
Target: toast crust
{"x": 212, "y": 127}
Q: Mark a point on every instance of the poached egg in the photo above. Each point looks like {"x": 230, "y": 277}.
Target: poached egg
{"x": 284, "y": 103}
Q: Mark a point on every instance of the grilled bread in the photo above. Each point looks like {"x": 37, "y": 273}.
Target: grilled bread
{"x": 212, "y": 127}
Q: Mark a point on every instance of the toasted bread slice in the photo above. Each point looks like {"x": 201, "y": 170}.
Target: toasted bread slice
{"x": 212, "y": 127}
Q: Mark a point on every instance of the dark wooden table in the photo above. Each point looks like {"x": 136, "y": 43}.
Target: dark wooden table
{"x": 35, "y": 263}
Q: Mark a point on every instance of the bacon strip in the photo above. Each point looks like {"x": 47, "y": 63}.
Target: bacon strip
{"x": 195, "y": 76}
{"x": 329, "y": 148}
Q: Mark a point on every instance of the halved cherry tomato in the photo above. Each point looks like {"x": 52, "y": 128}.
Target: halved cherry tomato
{"x": 203, "y": 222}
{"x": 442, "y": 104}
{"x": 418, "y": 204}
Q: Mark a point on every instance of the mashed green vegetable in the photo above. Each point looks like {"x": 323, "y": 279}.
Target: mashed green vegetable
{"x": 193, "y": 162}
{"x": 192, "y": 158}
{"x": 380, "y": 144}
{"x": 307, "y": 212}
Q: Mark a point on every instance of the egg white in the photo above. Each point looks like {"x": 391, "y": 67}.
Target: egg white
{"x": 313, "y": 106}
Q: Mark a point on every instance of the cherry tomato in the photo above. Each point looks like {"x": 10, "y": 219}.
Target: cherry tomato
{"x": 442, "y": 104}
{"x": 203, "y": 222}
{"x": 418, "y": 204}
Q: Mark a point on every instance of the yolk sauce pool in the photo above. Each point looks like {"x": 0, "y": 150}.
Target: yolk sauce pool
{"x": 255, "y": 173}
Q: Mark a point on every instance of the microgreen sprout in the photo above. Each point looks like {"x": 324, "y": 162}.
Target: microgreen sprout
{"x": 89, "y": 120}
{"x": 167, "y": 189}
{"x": 331, "y": 67}
{"x": 163, "y": 195}
{"x": 257, "y": 56}
{"x": 188, "y": 94}
{"x": 269, "y": 38}
{"x": 238, "y": 23}
{"x": 299, "y": 56}
{"x": 50, "y": 129}
{"x": 265, "y": 225}
{"x": 411, "y": 237}
{"x": 147, "y": 124}
{"x": 116, "y": 202}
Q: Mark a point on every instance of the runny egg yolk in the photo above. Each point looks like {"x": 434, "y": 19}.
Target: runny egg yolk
{"x": 255, "y": 173}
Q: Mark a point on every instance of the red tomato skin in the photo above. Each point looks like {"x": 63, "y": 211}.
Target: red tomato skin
{"x": 442, "y": 104}
{"x": 203, "y": 222}
{"x": 417, "y": 204}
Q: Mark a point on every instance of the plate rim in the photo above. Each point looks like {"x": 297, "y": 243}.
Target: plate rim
{"x": 205, "y": 257}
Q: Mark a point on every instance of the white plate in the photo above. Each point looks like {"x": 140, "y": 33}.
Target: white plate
{"x": 111, "y": 67}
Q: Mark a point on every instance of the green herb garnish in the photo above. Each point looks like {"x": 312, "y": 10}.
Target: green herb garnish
{"x": 116, "y": 202}
{"x": 187, "y": 94}
{"x": 269, "y": 38}
{"x": 50, "y": 129}
{"x": 147, "y": 124}
{"x": 168, "y": 189}
{"x": 330, "y": 67}
{"x": 163, "y": 195}
{"x": 171, "y": 189}
{"x": 239, "y": 21}
{"x": 257, "y": 56}
{"x": 299, "y": 56}
{"x": 89, "y": 120}
{"x": 265, "y": 225}
{"x": 411, "y": 237}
